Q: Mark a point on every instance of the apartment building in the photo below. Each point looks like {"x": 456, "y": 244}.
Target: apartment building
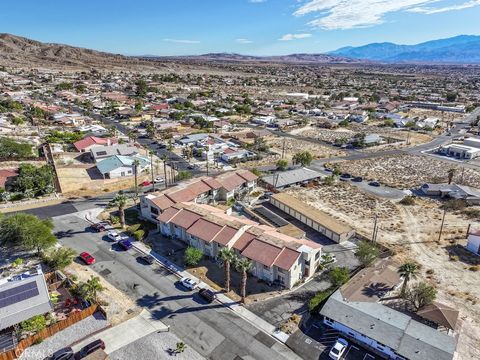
{"x": 204, "y": 190}
{"x": 276, "y": 257}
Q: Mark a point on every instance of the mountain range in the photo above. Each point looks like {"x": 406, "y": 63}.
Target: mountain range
{"x": 462, "y": 49}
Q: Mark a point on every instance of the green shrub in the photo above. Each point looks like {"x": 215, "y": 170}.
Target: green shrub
{"x": 133, "y": 228}
{"x": 318, "y": 299}
{"x": 34, "y": 324}
{"x": 17, "y": 262}
{"x": 192, "y": 256}
{"x": 339, "y": 276}
{"x": 139, "y": 235}
{"x": 114, "y": 219}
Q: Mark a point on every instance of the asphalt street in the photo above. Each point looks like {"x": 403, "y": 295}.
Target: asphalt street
{"x": 212, "y": 330}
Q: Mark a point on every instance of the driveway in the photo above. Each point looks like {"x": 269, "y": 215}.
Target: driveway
{"x": 211, "y": 329}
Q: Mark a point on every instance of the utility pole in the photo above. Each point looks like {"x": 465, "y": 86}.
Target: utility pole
{"x": 207, "y": 162}
{"x": 463, "y": 172}
{"x": 374, "y": 235}
{"x": 165, "y": 172}
{"x": 283, "y": 149}
{"x": 441, "y": 226}
{"x": 151, "y": 168}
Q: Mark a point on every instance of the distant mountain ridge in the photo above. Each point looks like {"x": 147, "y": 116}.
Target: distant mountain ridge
{"x": 462, "y": 49}
{"x": 292, "y": 58}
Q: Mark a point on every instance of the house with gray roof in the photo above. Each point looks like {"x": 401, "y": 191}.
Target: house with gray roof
{"x": 120, "y": 166}
{"x": 22, "y": 299}
{"x": 454, "y": 191}
{"x": 283, "y": 179}
{"x": 358, "y": 311}
{"x": 99, "y": 153}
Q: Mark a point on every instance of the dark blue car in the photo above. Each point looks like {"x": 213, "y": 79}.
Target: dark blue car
{"x": 125, "y": 244}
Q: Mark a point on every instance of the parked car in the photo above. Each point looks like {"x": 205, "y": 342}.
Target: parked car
{"x": 338, "y": 349}
{"x": 357, "y": 179}
{"x": 207, "y": 294}
{"x": 374, "y": 183}
{"x": 191, "y": 166}
{"x": 98, "y": 227}
{"x": 146, "y": 183}
{"x": 159, "y": 180}
{"x": 125, "y": 244}
{"x": 87, "y": 258}
{"x": 188, "y": 283}
{"x": 162, "y": 146}
{"x": 113, "y": 235}
{"x": 149, "y": 259}
{"x": 62, "y": 354}
{"x": 90, "y": 348}
{"x": 346, "y": 176}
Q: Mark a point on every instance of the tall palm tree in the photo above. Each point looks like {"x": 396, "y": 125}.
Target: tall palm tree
{"x": 243, "y": 266}
{"x": 135, "y": 163}
{"x": 228, "y": 257}
{"x": 164, "y": 159}
{"x": 451, "y": 174}
{"x": 408, "y": 271}
{"x": 151, "y": 153}
{"x": 120, "y": 200}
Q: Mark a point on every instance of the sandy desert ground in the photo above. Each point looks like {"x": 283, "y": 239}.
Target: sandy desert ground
{"x": 412, "y": 232}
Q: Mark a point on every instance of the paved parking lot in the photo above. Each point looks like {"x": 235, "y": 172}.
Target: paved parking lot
{"x": 315, "y": 341}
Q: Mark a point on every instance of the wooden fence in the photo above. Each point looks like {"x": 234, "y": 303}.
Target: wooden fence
{"x": 49, "y": 331}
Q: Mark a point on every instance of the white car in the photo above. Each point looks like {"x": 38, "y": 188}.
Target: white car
{"x": 158, "y": 180}
{"x": 188, "y": 283}
{"x": 113, "y": 235}
{"x": 338, "y": 349}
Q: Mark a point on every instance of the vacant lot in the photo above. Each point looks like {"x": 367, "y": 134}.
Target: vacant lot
{"x": 412, "y": 232}
{"x": 407, "y": 171}
{"x": 292, "y": 146}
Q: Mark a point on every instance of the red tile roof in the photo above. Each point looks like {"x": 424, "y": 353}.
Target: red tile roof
{"x": 225, "y": 235}
{"x": 182, "y": 195}
{"x": 286, "y": 259}
{"x": 163, "y": 202}
{"x": 93, "y": 140}
{"x": 247, "y": 175}
{"x": 185, "y": 218}
{"x": 168, "y": 214}
{"x": 243, "y": 241}
{"x": 204, "y": 230}
{"x": 262, "y": 252}
{"x": 230, "y": 181}
{"x": 213, "y": 183}
{"x": 199, "y": 187}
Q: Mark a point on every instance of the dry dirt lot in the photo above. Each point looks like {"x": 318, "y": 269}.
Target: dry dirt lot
{"x": 407, "y": 171}
{"x": 412, "y": 232}
{"x": 115, "y": 302}
{"x": 292, "y": 146}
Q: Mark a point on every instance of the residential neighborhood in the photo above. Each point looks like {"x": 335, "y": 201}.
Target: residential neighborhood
{"x": 226, "y": 206}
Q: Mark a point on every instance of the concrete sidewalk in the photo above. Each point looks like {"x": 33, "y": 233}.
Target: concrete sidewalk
{"x": 233, "y": 305}
{"x": 126, "y": 333}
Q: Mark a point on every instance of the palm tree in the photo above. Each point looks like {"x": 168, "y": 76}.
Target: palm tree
{"x": 451, "y": 174}
{"x": 93, "y": 286}
{"x": 164, "y": 159}
{"x": 120, "y": 200}
{"x": 243, "y": 265}
{"x": 135, "y": 163}
{"x": 228, "y": 256}
{"x": 408, "y": 270}
{"x": 151, "y": 153}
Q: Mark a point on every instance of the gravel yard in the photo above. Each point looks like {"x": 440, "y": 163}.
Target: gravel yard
{"x": 154, "y": 347}
{"x": 292, "y": 146}
{"x": 65, "y": 337}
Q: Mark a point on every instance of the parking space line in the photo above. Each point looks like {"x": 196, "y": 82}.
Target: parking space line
{"x": 368, "y": 356}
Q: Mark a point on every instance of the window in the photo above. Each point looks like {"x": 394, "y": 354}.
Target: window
{"x": 122, "y": 173}
{"x": 317, "y": 255}
{"x": 153, "y": 210}
{"x": 266, "y": 267}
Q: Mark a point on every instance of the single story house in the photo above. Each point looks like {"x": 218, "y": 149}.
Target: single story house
{"x": 358, "y": 311}
{"x": 328, "y": 226}
{"x": 275, "y": 257}
{"x": 120, "y": 166}
{"x": 22, "y": 299}
{"x": 454, "y": 191}
{"x": 100, "y": 153}
{"x": 88, "y": 142}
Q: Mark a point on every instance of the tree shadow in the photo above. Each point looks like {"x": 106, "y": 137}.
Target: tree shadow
{"x": 463, "y": 254}
{"x": 376, "y": 289}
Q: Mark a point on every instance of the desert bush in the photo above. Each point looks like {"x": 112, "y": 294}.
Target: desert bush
{"x": 315, "y": 302}
{"x": 408, "y": 200}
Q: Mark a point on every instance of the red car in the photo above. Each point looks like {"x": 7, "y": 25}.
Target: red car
{"x": 146, "y": 183}
{"x": 87, "y": 258}
{"x": 98, "y": 227}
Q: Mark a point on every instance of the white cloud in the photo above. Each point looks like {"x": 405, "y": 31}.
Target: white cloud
{"x": 433, "y": 10}
{"x": 289, "y": 37}
{"x": 243, "y": 41}
{"x": 182, "y": 41}
{"x": 350, "y": 14}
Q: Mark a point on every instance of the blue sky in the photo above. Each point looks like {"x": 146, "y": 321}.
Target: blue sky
{"x": 257, "y": 27}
